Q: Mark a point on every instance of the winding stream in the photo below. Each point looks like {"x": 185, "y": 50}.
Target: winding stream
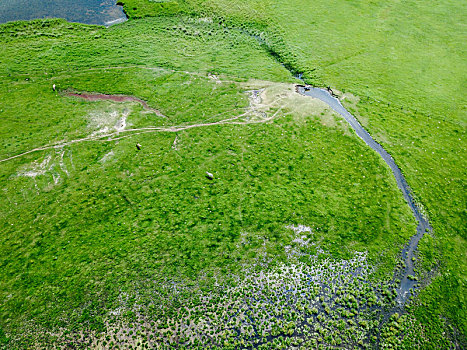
{"x": 407, "y": 284}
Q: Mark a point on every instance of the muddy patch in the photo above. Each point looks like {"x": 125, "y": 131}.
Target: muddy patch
{"x": 52, "y": 167}
{"x": 266, "y": 97}
{"x": 115, "y": 98}
{"x": 112, "y": 121}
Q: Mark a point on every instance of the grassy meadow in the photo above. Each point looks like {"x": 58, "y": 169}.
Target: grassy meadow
{"x": 107, "y": 246}
{"x": 405, "y": 62}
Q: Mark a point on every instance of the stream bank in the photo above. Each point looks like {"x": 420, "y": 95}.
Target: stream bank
{"x": 407, "y": 283}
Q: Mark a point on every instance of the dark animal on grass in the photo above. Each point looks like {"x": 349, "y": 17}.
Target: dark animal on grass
{"x": 330, "y": 91}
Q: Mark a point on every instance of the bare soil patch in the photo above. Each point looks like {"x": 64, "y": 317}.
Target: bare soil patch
{"x": 116, "y": 98}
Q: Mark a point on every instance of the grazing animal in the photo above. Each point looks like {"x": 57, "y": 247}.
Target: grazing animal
{"x": 330, "y": 91}
{"x": 53, "y": 87}
{"x": 209, "y": 175}
{"x": 138, "y": 146}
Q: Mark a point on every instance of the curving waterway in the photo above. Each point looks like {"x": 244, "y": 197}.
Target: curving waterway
{"x": 407, "y": 284}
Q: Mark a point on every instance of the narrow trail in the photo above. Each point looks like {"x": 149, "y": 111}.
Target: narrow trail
{"x": 407, "y": 283}
{"x": 114, "y": 136}
{"x": 252, "y": 115}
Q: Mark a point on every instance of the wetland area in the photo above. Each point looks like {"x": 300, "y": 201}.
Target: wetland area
{"x": 176, "y": 178}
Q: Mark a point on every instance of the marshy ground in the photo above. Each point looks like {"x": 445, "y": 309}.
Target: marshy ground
{"x": 297, "y": 235}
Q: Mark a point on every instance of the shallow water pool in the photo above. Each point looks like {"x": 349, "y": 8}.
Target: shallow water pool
{"x": 103, "y": 12}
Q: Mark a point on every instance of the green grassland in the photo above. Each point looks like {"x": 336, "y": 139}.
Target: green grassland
{"x": 405, "y": 61}
{"x": 84, "y": 223}
{"x": 144, "y": 8}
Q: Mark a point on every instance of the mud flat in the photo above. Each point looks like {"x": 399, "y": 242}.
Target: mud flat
{"x": 115, "y": 98}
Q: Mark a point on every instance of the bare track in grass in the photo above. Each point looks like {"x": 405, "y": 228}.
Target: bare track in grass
{"x": 116, "y": 135}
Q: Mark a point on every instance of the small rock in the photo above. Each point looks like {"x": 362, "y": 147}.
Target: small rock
{"x": 209, "y": 175}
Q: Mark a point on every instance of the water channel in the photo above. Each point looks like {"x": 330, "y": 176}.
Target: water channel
{"x": 407, "y": 283}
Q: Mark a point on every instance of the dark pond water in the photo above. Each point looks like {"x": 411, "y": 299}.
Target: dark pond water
{"x": 103, "y": 12}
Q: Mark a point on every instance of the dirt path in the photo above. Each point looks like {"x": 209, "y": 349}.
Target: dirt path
{"x": 114, "y": 136}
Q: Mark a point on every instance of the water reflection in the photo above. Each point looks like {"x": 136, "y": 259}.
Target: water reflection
{"x": 103, "y": 12}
